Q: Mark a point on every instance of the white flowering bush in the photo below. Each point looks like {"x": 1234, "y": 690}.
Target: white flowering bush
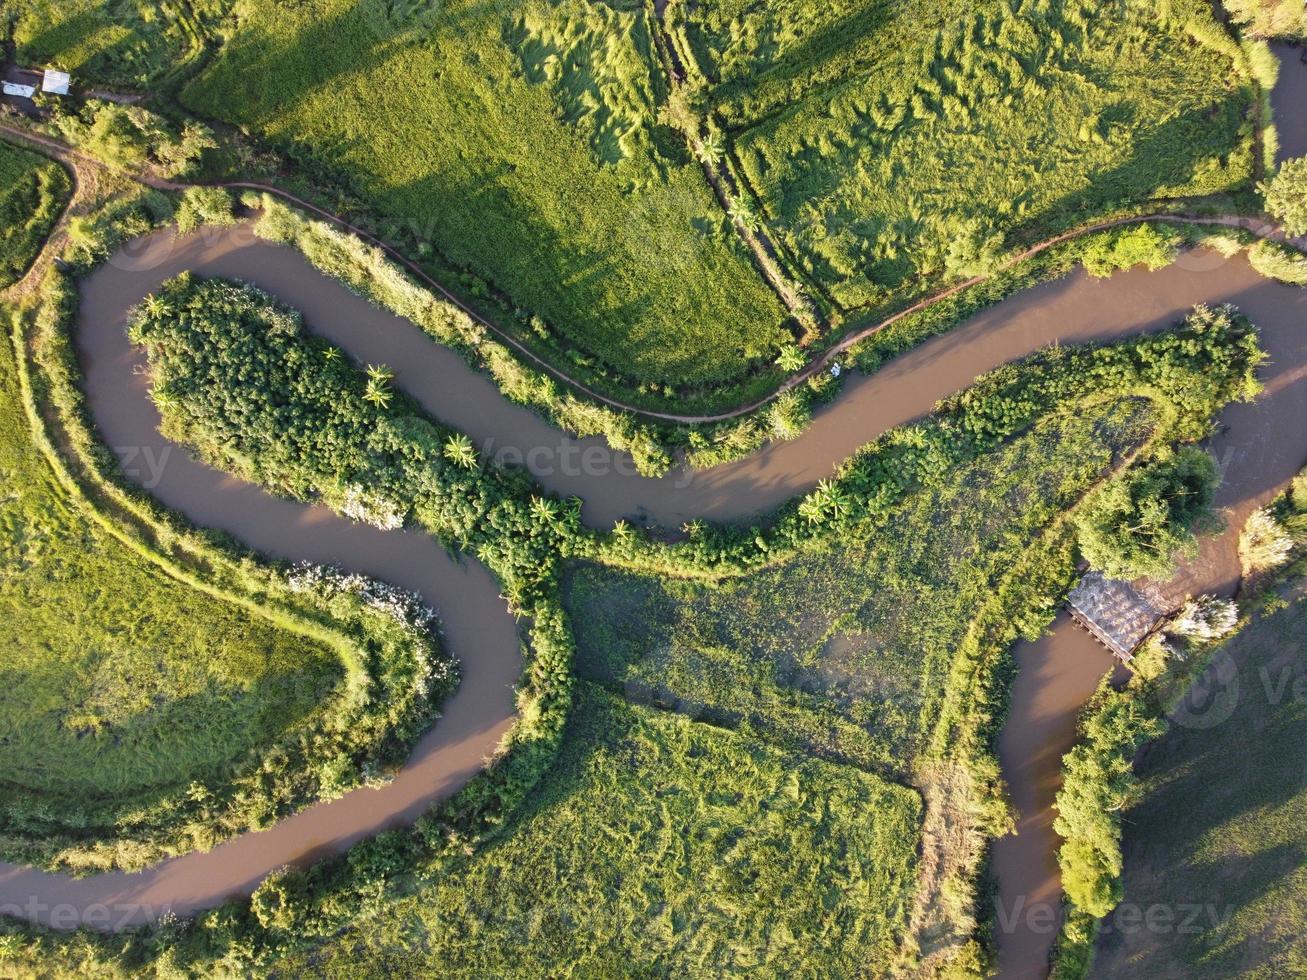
{"x": 1264, "y": 543}
{"x": 1206, "y": 618}
{"x": 366, "y": 507}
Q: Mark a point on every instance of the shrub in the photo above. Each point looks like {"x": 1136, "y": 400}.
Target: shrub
{"x": 1123, "y": 248}
{"x": 1206, "y": 618}
{"x": 1275, "y": 260}
{"x": 129, "y": 137}
{"x": 1264, "y": 543}
{"x": 1135, "y": 526}
{"x": 281, "y": 900}
{"x": 1098, "y": 782}
{"x": 204, "y": 206}
{"x": 1286, "y": 196}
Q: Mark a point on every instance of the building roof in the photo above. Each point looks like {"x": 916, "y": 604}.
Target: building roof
{"x": 55, "y": 82}
{"x": 1116, "y": 613}
{"x": 15, "y": 88}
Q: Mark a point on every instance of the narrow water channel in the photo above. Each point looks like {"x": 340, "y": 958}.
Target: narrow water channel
{"x": 1259, "y": 446}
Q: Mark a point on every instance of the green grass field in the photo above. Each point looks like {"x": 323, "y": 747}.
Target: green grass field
{"x": 845, "y": 652}
{"x": 661, "y": 846}
{"x": 118, "y": 682}
{"x": 522, "y": 140}
{"x": 527, "y": 146}
{"x": 894, "y": 143}
{"x": 118, "y": 42}
{"x": 1217, "y": 844}
{"x": 32, "y": 191}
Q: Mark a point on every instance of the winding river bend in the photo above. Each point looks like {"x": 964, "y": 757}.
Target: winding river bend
{"x": 1260, "y": 446}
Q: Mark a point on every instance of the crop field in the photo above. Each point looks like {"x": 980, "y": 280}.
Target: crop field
{"x": 32, "y": 190}
{"x": 892, "y": 143}
{"x": 117, "y": 680}
{"x": 523, "y": 141}
{"x": 1218, "y": 837}
{"x": 123, "y": 42}
{"x": 663, "y": 846}
{"x": 845, "y": 653}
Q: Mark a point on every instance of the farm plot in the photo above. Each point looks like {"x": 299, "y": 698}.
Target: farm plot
{"x": 845, "y": 652}
{"x": 121, "y": 686}
{"x": 893, "y": 144}
{"x": 661, "y": 845}
{"x": 525, "y": 143}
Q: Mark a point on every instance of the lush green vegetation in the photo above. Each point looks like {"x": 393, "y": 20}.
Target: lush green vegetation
{"x": 1139, "y": 525}
{"x": 1212, "y": 832}
{"x": 1278, "y": 261}
{"x": 891, "y": 144}
{"x": 32, "y": 192}
{"x": 529, "y": 152}
{"x": 1206, "y": 688}
{"x": 121, "y": 42}
{"x": 1286, "y": 196}
{"x": 845, "y": 651}
{"x": 316, "y": 425}
{"x": 523, "y": 142}
{"x": 1098, "y": 782}
{"x": 719, "y": 855}
{"x": 129, "y": 137}
{"x": 165, "y": 708}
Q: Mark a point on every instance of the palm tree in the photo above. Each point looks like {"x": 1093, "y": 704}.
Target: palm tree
{"x": 460, "y": 451}
{"x": 833, "y": 497}
{"x": 812, "y": 509}
{"x": 791, "y": 359}
{"x": 743, "y": 214}
{"x": 156, "y": 306}
{"x": 380, "y": 373}
{"x": 377, "y": 393}
{"x": 545, "y": 509}
{"x": 622, "y": 531}
{"x": 331, "y": 354}
{"x": 711, "y": 149}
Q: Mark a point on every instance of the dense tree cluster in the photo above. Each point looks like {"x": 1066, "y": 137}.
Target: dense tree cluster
{"x": 1098, "y": 782}
{"x": 1136, "y": 526}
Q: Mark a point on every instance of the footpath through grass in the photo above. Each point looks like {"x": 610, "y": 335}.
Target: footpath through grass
{"x": 662, "y": 846}
{"x": 32, "y": 190}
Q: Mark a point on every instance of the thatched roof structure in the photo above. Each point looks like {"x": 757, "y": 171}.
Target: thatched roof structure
{"x": 1117, "y": 614}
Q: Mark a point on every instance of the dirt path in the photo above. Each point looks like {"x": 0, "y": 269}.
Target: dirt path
{"x": 819, "y": 364}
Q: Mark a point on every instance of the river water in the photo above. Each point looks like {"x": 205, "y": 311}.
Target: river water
{"x": 1260, "y": 446}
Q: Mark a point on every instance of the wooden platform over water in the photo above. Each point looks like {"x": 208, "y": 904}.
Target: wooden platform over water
{"x": 1117, "y": 614}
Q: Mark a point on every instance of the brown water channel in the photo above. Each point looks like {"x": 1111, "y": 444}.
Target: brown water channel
{"x": 1260, "y": 446}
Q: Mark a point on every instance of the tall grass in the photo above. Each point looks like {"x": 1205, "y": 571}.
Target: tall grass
{"x": 894, "y": 144}
{"x": 661, "y": 845}
{"x": 521, "y": 141}
{"x": 32, "y": 192}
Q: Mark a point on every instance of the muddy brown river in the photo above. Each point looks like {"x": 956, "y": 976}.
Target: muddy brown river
{"x": 1259, "y": 447}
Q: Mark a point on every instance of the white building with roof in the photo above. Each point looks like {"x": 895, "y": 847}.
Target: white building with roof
{"x": 55, "y": 82}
